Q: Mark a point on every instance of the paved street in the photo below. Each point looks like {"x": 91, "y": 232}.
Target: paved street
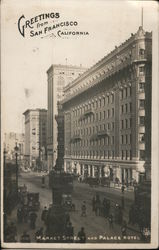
{"x": 96, "y": 227}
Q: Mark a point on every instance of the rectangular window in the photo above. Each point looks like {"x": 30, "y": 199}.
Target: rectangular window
{"x": 142, "y": 120}
{"x": 108, "y": 113}
{"x": 141, "y": 70}
{"x": 112, "y": 154}
{"x": 104, "y": 114}
{"x": 100, "y": 116}
{"x": 126, "y": 93}
{"x": 126, "y": 139}
{"x": 141, "y": 104}
{"x": 126, "y": 108}
{"x": 130, "y": 123}
{"x": 96, "y": 116}
{"x": 90, "y": 130}
{"x": 103, "y": 101}
{"x": 129, "y": 91}
{"x": 130, "y": 155}
{"x": 122, "y": 109}
{"x": 112, "y": 125}
{"x": 122, "y": 154}
{"x": 122, "y": 139}
{"x": 112, "y": 98}
{"x": 107, "y": 99}
{"x": 122, "y": 124}
{"x": 100, "y": 102}
{"x": 126, "y": 154}
{"x": 126, "y": 123}
{"x": 130, "y": 107}
{"x": 112, "y": 111}
{"x": 108, "y": 154}
{"x": 141, "y": 86}
{"x": 141, "y": 52}
{"x": 130, "y": 139}
{"x": 142, "y": 155}
{"x": 141, "y": 137}
{"x": 113, "y": 140}
{"x": 108, "y": 140}
{"x": 105, "y": 154}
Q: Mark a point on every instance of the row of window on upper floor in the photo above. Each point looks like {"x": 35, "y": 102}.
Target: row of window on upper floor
{"x": 109, "y": 140}
{"x": 95, "y": 117}
{"x": 101, "y": 102}
{"x": 94, "y": 129}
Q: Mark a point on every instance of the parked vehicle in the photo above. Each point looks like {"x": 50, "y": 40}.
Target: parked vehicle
{"x": 33, "y": 202}
{"x": 92, "y": 181}
{"x": 105, "y": 181}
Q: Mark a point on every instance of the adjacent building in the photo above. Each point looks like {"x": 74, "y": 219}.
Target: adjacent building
{"x": 35, "y": 137}
{"x": 58, "y": 77}
{"x": 107, "y": 114}
{"x": 10, "y": 141}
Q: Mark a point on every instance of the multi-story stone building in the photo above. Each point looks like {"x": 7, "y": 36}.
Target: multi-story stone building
{"x": 35, "y": 136}
{"x": 10, "y": 141}
{"x": 58, "y": 77}
{"x": 107, "y": 114}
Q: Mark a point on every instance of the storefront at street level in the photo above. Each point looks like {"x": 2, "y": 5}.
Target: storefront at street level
{"x": 119, "y": 172}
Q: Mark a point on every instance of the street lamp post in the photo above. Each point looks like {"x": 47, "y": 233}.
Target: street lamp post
{"x": 16, "y": 161}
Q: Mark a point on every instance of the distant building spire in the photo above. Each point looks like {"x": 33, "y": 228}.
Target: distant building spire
{"x": 142, "y": 17}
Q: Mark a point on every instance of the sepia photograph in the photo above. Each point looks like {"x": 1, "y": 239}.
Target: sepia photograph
{"x": 79, "y": 124}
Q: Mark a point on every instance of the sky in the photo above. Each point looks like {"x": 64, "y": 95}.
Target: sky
{"x": 25, "y": 60}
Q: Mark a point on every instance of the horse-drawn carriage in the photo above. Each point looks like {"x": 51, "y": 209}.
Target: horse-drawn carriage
{"x": 33, "y": 202}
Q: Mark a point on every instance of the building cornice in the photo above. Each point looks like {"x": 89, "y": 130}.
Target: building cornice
{"x": 107, "y": 66}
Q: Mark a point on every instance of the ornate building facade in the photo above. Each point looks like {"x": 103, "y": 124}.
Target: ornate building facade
{"x": 58, "y": 77}
{"x": 107, "y": 114}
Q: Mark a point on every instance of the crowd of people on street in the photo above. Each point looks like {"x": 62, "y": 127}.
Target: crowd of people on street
{"x": 112, "y": 212}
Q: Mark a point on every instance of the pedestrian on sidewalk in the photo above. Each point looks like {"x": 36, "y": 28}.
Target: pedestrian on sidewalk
{"x": 110, "y": 221}
{"x": 120, "y": 216}
{"x": 124, "y": 228}
{"x": 98, "y": 205}
{"x": 122, "y": 188}
{"x": 107, "y": 207}
{"x": 25, "y": 213}
{"x": 83, "y": 209}
{"x": 19, "y": 215}
{"x": 104, "y": 207}
{"x": 81, "y": 236}
{"x": 33, "y": 217}
{"x": 25, "y": 238}
{"x": 44, "y": 215}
